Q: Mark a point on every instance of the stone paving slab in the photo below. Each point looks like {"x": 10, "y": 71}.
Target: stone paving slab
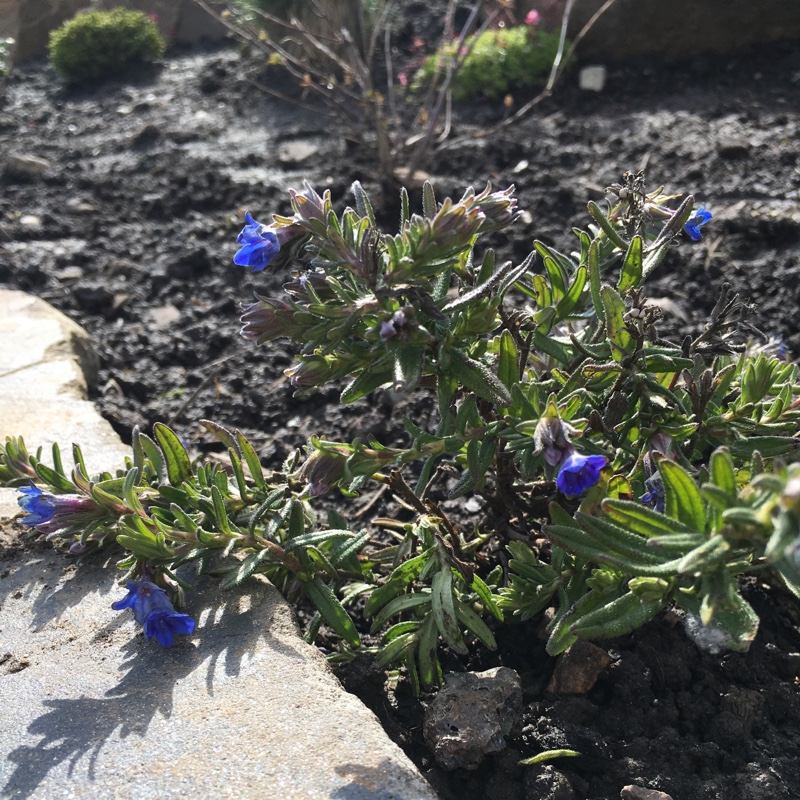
{"x": 45, "y": 359}
{"x": 244, "y": 708}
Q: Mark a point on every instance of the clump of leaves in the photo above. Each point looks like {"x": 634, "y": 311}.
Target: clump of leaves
{"x": 622, "y": 473}
{"x": 496, "y": 61}
{"x": 101, "y": 44}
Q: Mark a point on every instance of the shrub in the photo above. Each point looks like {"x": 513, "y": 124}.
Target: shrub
{"x": 497, "y": 60}
{"x": 101, "y": 44}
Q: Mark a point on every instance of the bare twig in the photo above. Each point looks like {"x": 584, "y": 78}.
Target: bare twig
{"x": 558, "y": 62}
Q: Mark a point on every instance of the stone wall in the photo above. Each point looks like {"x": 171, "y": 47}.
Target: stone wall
{"x": 29, "y": 22}
{"x": 673, "y": 29}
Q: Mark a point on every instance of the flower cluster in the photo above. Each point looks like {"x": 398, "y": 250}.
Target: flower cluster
{"x": 153, "y": 609}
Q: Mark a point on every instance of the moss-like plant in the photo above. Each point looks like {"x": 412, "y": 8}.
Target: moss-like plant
{"x": 101, "y": 44}
{"x": 496, "y": 61}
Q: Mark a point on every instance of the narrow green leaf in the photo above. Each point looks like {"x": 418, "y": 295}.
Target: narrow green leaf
{"x": 617, "y": 618}
{"x": 478, "y": 378}
{"x": 408, "y": 362}
{"x": 406, "y": 602}
{"x": 333, "y": 612}
{"x": 767, "y": 446}
{"x": 507, "y": 364}
{"x": 397, "y": 650}
{"x": 615, "y": 324}
{"x": 547, "y": 755}
{"x": 594, "y": 282}
{"x": 401, "y": 577}
{"x": 617, "y": 540}
{"x": 553, "y": 348}
{"x": 475, "y": 625}
{"x": 683, "y": 499}
{"x": 631, "y": 275}
{"x": 606, "y": 226}
{"x": 405, "y": 214}
{"x": 223, "y": 434}
{"x": 400, "y": 629}
{"x": 241, "y": 573}
{"x": 427, "y": 652}
{"x": 708, "y": 555}
{"x": 557, "y": 276}
{"x": 50, "y": 476}
{"x": 363, "y": 204}
{"x": 444, "y": 610}
{"x": 641, "y": 519}
{"x": 570, "y": 301}
{"x": 179, "y": 467}
{"x": 367, "y": 381}
{"x": 487, "y": 598}
{"x": 220, "y": 514}
{"x": 429, "y": 207}
{"x": 252, "y": 460}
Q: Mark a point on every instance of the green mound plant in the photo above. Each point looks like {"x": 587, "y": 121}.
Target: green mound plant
{"x": 496, "y": 61}
{"x": 102, "y": 44}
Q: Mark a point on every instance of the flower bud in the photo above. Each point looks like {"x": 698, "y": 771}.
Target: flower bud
{"x": 309, "y": 206}
{"x": 552, "y": 436}
{"x": 267, "y": 319}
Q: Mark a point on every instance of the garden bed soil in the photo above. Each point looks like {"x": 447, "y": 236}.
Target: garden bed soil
{"x": 130, "y": 231}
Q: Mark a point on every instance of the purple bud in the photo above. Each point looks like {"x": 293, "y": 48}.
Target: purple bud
{"x": 267, "y": 319}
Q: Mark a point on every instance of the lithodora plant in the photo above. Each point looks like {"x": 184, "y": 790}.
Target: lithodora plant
{"x": 622, "y": 473}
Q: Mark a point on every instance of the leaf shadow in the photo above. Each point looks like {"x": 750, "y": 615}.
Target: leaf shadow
{"x": 232, "y": 627}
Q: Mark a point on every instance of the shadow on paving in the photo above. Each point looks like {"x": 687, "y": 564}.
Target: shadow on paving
{"x": 228, "y": 632}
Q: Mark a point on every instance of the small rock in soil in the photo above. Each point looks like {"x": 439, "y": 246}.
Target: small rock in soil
{"x": 640, "y": 793}
{"x": 578, "y": 669}
{"x": 592, "y": 79}
{"x": 30, "y": 221}
{"x": 745, "y": 704}
{"x": 548, "y": 784}
{"x": 733, "y": 148}
{"x": 164, "y": 316}
{"x": 293, "y": 153}
{"x": 24, "y": 167}
{"x": 471, "y": 715}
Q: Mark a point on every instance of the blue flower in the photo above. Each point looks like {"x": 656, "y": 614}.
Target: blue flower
{"x": 152, "y": 608}
{"x": 50, "y": 513}
{"x": 39, "y": 505}
{"x": 698, "y": 218}
{"x": 579, "y": 473}
{"x": 163, "y": 624}
{"x": 259, "y": 245}
{"x": 654, "y": 496}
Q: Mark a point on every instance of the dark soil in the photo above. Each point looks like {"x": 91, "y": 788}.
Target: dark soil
{"x": 133, "y": 234}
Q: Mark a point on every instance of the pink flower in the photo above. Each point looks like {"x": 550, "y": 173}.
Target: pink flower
{"x": 402, "y": 78}
{"x": 532, "y": 18}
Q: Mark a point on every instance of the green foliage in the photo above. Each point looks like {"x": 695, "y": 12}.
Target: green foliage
{"x": 700, "y": 440}
{"x": 496, "y": 61}
{"x": 101, "y": 44}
